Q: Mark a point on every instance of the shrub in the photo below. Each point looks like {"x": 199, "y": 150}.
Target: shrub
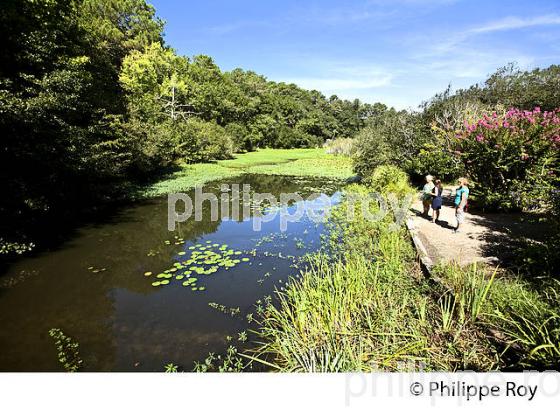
{"x": 389, "y": 179}
{"x": 436, "y": 161}
{"x": 240, "y": 136}
{"x": 202, "y": 141}
{"x": 294, "y": 138}
{"x": 513, "y": 158}
{"x": 392, "y": 138}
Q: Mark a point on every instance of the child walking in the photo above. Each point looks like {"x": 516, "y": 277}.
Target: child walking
{"x": 437, "y": 201}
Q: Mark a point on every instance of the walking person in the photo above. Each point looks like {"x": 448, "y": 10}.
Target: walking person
{"x": 461, "y": 199}
{"x": 437, "y": 200}
{"x": 427, "y": 194}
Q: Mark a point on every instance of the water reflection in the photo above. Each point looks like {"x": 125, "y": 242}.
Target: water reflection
{"x": 94, "y": 289}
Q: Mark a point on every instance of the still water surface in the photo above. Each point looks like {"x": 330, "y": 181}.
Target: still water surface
{"x": 94, "y": 287}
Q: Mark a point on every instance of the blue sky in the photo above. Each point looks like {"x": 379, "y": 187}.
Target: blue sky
{"x": 399, "y": 52}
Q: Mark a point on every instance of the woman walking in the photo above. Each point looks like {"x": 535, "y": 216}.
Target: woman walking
{"x": 427, "y": 194}
{"x": 437, "y": 200}
{"x": 461, "y": 198}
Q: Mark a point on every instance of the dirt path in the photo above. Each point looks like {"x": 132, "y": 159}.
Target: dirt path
{"x": 488, "y": 238}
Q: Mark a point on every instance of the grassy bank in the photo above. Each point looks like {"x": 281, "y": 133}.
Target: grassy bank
{"x": 522, "y": 316}
{"x": 312, "y": 162}
{"x": 364, "y": 307}
{"x": 367, "y": 306}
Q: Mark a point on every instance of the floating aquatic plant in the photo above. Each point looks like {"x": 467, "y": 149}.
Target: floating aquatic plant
{"x": 232, "y": 311}
{"x": 204, "y": 259}
{"x": 171, "y": 368}
{"x": 68, "y": 354}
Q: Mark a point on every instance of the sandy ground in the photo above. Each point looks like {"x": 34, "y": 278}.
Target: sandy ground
{"x": 489, "y": 238}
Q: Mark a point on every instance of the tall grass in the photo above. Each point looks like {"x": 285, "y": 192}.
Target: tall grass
{"x": 530, "y": 320}
{"x": 363, "y": 307}
{"x": 526, "y": 318}
{"x": 470, "y": 287}
{"x": 344, "y": 316}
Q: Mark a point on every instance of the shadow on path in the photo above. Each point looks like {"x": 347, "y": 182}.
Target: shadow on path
{"x": 488, "y": 238}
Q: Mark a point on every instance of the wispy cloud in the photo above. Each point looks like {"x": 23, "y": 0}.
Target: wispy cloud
{"x": 330, "y": 85}
{"x": 228, "y": 28}
{"x": 451, "y": 41}
{"x": 512, "y": 23}
{"x": 334, "y": 77}
{"x": 412, "y": 2}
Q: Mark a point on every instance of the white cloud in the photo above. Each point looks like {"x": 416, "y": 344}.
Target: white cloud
{"x": 332, "y": 76}
{"x": 452, "y": 41}
{"x": 333, "y": 84}
{"x": 412, "y": 2}
{"x": 512, "y": 23}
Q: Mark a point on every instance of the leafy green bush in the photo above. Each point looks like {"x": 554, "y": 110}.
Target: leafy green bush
{"x": 372, "y": 150}
{"x": 294, "y": 138}
{"x": 240, "y": 136}
{"x": 390, "y": 138}
{"x": 142, "y": 147}
{"x": 202, "y": 141}
{"x": 389, "y": 179}
{"x": 432, "y": 160}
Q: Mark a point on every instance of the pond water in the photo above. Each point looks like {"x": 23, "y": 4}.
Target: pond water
{"x": 95, "y": 289}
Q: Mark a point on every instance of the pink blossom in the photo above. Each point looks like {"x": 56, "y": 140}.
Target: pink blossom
{"x": 479, "y": 138}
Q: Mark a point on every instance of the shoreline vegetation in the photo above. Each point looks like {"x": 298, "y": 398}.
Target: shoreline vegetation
{"x": 365, "y": 306}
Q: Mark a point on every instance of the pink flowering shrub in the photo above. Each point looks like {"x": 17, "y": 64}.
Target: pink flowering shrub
{"x": 513, "y": 158}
